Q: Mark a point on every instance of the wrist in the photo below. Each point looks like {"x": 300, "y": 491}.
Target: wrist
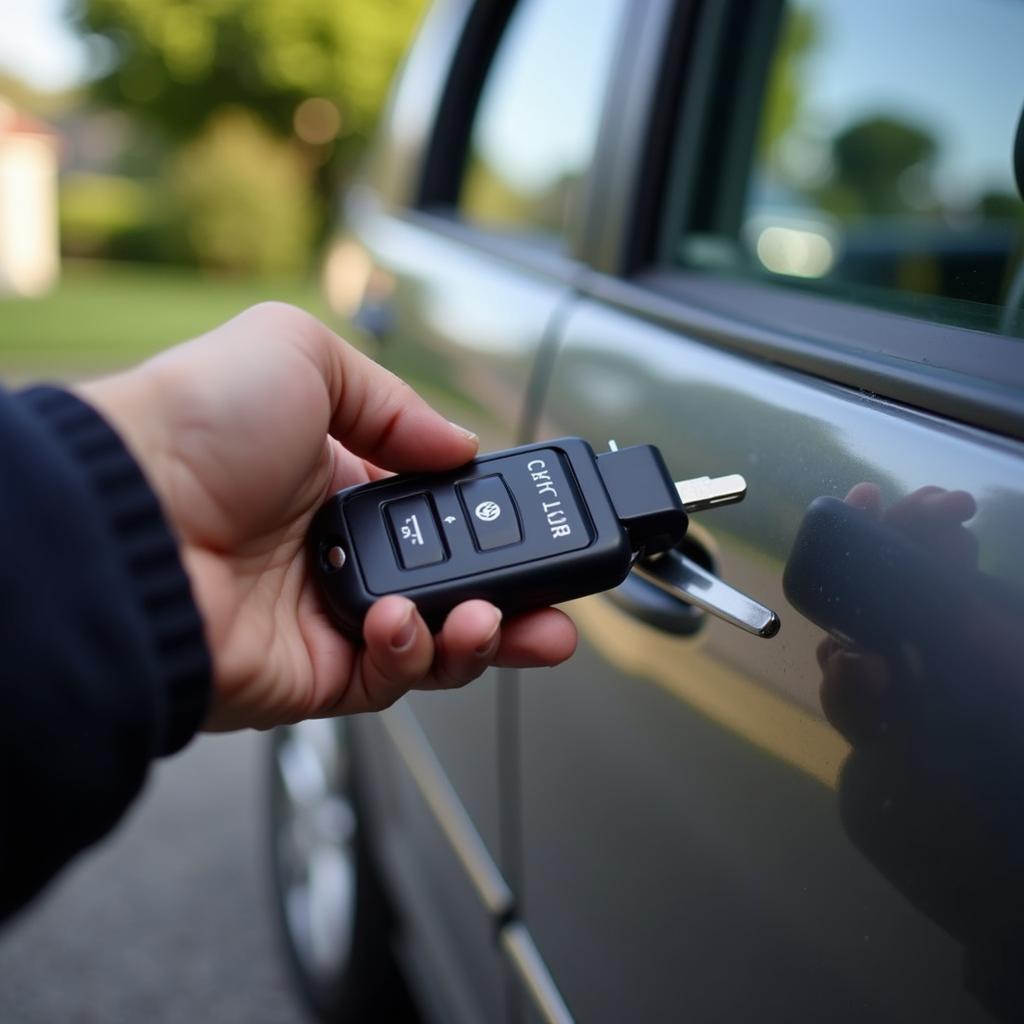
{"x": 127, "y": 514}
{"x": 130, "y": 403}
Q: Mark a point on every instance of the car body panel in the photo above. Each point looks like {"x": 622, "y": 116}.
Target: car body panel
{"x": 466, "y": 328}
{"x": 681, "y": 830}
{"x": 692, "y": 783}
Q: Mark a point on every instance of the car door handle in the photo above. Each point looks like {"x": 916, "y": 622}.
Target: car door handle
{"x": 657, "y": 607}
{"x": 672, "y": 592}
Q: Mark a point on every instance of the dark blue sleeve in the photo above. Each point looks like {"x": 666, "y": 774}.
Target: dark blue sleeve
{"x": 103, "y": 664}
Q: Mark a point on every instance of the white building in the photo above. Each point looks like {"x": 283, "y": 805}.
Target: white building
{"x": 29, "y": 244}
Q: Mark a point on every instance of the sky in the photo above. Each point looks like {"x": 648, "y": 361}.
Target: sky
{"x": 951, "y": 66}
{"x": 37, "y": 46}
{"x": 540, "y": 117}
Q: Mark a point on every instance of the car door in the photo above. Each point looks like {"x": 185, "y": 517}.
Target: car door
{"x": 810, "y": 272}
{"x": 464, "y": 237}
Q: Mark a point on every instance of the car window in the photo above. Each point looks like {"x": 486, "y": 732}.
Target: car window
{"x": 878, "y": 159}
{"x": 537, "y": 120}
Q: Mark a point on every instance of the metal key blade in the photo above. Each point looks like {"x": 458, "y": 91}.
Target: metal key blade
{"x": 704, "y": 492}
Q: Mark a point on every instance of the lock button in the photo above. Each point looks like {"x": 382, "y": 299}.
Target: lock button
{"x": 490, "y": 512}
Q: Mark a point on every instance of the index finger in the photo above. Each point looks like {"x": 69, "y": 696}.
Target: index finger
{"x": 381, "y": 418}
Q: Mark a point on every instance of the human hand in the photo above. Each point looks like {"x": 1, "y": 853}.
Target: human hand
{"x": 856, "y": 683}
{"x": 243, "y": 433}
{"x": 928, "y": 792}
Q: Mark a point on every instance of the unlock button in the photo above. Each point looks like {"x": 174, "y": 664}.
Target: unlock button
{"x": 414, "y": 528}
{"x": 490, "y": 512}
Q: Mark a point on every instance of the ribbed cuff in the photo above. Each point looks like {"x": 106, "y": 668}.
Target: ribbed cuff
{"x": 151, "y": 558}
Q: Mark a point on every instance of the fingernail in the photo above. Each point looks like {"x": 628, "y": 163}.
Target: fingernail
{"x": 487, "y": 647}
{"x": 405, "y": 634}
{"x": 467, "y": 434}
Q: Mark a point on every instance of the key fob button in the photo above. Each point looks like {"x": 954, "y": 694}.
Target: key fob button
{"x": 415, "y": 532}
{"x": 490, "y": 512}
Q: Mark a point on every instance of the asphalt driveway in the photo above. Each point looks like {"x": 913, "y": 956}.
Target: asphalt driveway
{"x": 169, "y": 921}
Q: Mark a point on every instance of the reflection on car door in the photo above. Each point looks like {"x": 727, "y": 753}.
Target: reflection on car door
{"x": 682, "y": 841}
{"x": 827, "y": 825}
{"x": 691, "y": 835}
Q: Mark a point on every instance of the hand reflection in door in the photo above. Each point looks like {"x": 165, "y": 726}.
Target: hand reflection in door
{"x": 922, "y": 674}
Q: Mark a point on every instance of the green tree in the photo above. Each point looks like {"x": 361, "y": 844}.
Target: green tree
{"x": 177, "y": 61}
{"x": 785, "y": 90}
{"x": 870, "y": 158}
{"x": 994, "y": 205}
{"x": 256, "y": 109}
{"x": 244, "y": 198}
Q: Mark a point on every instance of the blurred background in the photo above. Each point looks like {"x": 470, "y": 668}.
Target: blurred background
{"x": 163, "y": 165}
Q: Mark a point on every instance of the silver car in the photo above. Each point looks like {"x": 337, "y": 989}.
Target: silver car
{"x": 784, "y": 239}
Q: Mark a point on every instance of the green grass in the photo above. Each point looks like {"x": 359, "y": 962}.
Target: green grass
{"x": 103, "y": 316}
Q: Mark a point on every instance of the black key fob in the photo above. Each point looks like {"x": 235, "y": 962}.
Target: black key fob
{"x": 514, "y": 528}
{"x": 523, "y": 529}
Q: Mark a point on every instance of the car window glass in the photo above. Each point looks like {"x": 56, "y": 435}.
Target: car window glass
{"x": 536, "y": 124}
{"x": 881, "y": 160}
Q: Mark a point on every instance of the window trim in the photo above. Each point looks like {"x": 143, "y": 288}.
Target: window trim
{"x": 448, "y": 149}
{"x": 394, "y": 166}
{"x": 449, "y": 139}
{"x": 875, "y": 352}
{"x": 519, "y": 250}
